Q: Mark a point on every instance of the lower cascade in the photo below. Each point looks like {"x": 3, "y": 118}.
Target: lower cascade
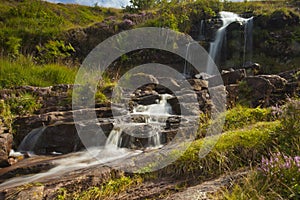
{"x": 124, "y": 140}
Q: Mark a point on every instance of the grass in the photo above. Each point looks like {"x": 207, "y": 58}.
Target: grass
{"x": 34, "y": 21}
{"x": 24, "y": 72}
{"x": 276, "y": 175}
{"x": 105, "y": 191}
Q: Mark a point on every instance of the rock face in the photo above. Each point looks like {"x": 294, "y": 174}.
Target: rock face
{"x": 260, "y": 90}
{"x": 233, "y": 77}
{"x": 6, "y": 140}
{"x": 85, "y": 39}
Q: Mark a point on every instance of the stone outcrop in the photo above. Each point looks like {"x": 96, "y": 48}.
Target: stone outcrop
{"x": 6, "y": 140}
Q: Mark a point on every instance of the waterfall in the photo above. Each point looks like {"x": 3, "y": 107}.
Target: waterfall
{"x": 149, "y": 132}
{"x": 248, "y": 44}
{"x": 162, "y": 108}
{"x": 202, "y": 30}
{"x": 185, "y": 69}
{"x": 29, "y": 142}
{"x": 114, "y": 139}
{"x": 216, "y": 46}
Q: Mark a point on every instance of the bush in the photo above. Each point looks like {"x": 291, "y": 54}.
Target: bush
{"x": 13, "y": 45}
{"x": 23, "y": 104}
{"x": 54, "y": 51}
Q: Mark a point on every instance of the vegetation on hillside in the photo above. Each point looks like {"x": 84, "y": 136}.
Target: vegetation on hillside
{"x": 244, "y": 146}
{"x": 23, "y": 71}
{"x": 37, "y": 28}
{"x": 28, "y": 22}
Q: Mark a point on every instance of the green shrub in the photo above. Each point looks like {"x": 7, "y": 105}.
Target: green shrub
{"x": 5, "y": 114}
{"x": 13, "y": 45}
{"x": 23, "y": 104}
{"x": 54, "y": 51}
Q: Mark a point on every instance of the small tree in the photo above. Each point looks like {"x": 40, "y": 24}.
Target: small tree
{"x": 142, "y": 4}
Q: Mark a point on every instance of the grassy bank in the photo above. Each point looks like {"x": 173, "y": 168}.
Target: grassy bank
{"x": 23, "y": 71}
{"x": 240, "y": 146}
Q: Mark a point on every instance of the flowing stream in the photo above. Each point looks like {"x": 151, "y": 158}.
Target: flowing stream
{"x": 110, "y": 152}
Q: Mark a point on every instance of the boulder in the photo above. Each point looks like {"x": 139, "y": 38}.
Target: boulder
{"x": 147, "y": 99}
{"x": 233, "y": 77}
{"x": 218, "y": 98}
{"x": 173, "y": 122}
{"x": 6, "y": 140}
{"x": 277, "y": 81}
{"x": 167, "y": 83}
{"x": 61, "y": 138}
{"x": 232, "y": 94}
{"x": 198, "y": 84}
{"x": 140, "y": 79}
{"x": 260, "y": 90}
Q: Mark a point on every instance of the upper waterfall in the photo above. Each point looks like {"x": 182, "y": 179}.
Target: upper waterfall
{"x": 215, "y": 47}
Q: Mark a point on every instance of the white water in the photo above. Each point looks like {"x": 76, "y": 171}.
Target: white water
{"x": 162, "y": 108}
{"x": 154, "y": 115}
{"x": 74, "y": 162}
{"x": 215, "y": 46}
{"x": 248, "y": 44}
{"x": 202, "y": 30}
{"x": 109, "y": 153}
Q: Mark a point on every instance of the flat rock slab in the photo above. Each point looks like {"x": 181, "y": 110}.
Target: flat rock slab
{"x": 204, "y": 190}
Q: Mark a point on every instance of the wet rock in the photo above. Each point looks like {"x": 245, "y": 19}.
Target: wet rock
{"x": 23, "y": 125}
{"x": 198, "y": 84}
{"x": 167, "y": 83}
{"x": 60, "y": 138}
{"x": 138, "y": 137}
{"x": 6, "y": 140}
{"x": 141, "y": 79}
{"x": 72, "y": 181}
{"x": 173, "y": 122}
{"x": 147, "y": 99}
{"x": 233, "y": 77}
{"x": 175, "y": 105}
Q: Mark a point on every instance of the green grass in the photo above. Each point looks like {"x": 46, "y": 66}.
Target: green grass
{"x": 241, "y": 116}
{"x": 24, "y": 72}
{"x": 277, "y": 174}
{"x": 107, "y": 190}
{"x": 249, "y": 136}
{"x": 234, "y": 149}
{"x": 36, "y": 21}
